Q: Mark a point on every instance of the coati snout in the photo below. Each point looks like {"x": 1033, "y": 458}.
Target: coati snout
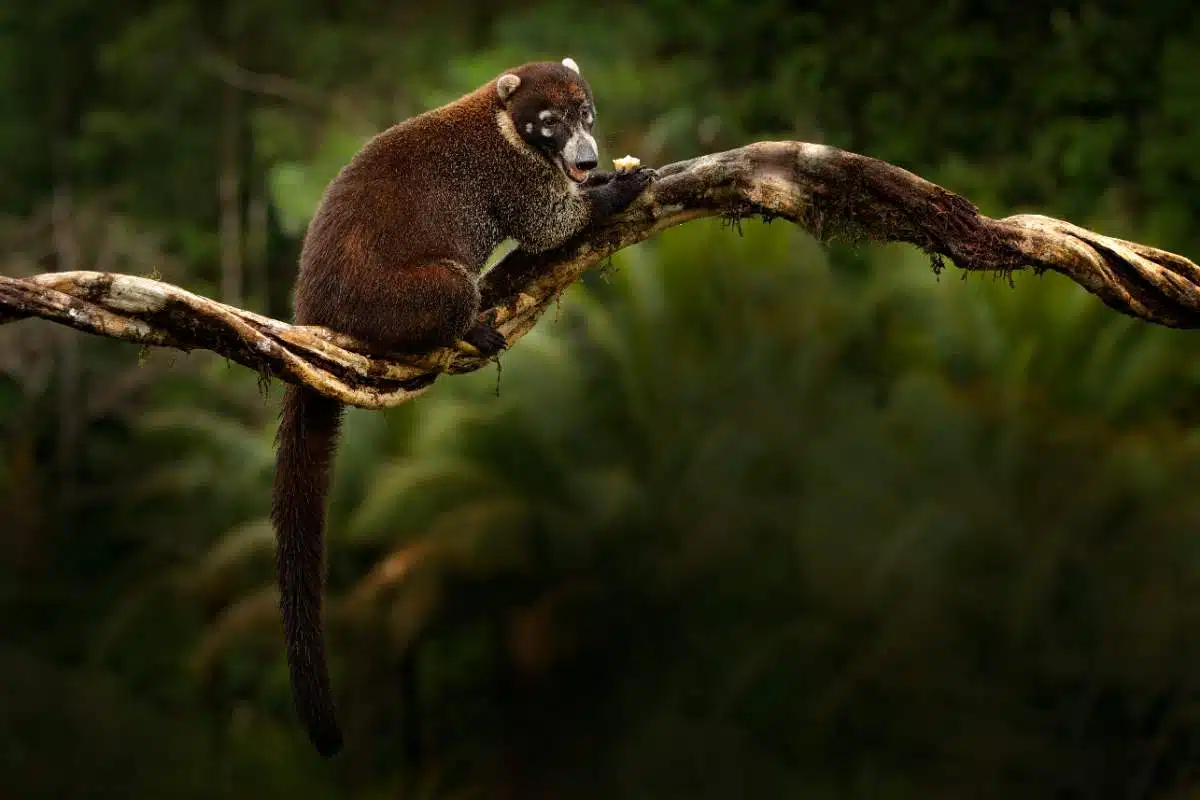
{"x": 551, "y": 107}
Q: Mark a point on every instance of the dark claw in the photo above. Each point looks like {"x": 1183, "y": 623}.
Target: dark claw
{"x": 486, "y": 339}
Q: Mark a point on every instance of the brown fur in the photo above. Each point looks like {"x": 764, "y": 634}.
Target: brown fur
{"x": 392, "y": 258}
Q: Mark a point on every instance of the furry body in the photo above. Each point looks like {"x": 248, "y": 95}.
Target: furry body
{"x": 392, "y": 257}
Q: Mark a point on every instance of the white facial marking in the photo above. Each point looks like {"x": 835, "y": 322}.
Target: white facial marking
{"x": 570, "y": 64}
{"x": 547, "y": 114}
{"x": 529, "y": 127}
{"x": 547, "y": 133}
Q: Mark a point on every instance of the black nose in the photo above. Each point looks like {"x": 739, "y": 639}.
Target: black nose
{"x": 586, "y": 164}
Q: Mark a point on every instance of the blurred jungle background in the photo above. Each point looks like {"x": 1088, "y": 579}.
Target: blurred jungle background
{"x": 750, "y": 517}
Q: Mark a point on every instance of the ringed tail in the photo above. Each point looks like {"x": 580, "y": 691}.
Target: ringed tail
{"x": 307, "y": 438}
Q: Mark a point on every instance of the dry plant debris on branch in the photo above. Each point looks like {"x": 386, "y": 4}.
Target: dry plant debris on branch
{"x": 825, "y": 190}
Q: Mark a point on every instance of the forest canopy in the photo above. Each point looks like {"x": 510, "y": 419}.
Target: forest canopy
{"x": 751, "y": 515}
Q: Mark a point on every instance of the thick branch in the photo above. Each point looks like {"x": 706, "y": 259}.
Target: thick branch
{"x": 825, "y": 190}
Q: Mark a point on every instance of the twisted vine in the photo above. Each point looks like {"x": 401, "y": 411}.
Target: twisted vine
{"x": 820, "y": 188}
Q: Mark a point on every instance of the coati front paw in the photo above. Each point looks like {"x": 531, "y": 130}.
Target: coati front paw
{"x": 486, "y": 339}
{"x": 640, "y": 177}
{"x": 621, "y": 189}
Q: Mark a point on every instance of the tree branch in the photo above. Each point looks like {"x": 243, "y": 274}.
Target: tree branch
{"x": 828, "y": 192}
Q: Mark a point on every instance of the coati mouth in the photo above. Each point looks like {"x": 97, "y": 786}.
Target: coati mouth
{"x": 571, "y": 171}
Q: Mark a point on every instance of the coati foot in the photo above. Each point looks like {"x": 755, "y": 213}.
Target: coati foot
{"x": 486, "y": 339}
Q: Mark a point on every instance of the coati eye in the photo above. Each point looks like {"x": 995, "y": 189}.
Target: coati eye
{"x": 549, "y": 121}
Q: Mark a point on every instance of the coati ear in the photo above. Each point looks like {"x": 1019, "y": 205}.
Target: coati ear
{"x": 570, "y": 64}
{"x": 506, "y": 84}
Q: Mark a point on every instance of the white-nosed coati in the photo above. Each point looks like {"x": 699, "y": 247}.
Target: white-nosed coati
{"x": 392, "y": 257}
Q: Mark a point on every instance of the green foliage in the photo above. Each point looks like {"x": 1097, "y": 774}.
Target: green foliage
{"x": 746, "y": 518}
{"x": 296, "y": 188}
{"x": 850, "y": 536}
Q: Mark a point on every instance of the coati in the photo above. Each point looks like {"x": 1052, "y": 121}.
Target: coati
{"x": 392, "y": 257}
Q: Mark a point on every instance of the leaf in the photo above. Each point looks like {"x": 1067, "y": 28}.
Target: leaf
{"x": 234, "y": 550}
{"x": 253, "y": 614}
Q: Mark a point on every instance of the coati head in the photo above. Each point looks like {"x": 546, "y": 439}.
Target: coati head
{"x": 552, "y": 110}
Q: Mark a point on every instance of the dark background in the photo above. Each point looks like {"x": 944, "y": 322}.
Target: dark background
{"x": 750, "y": 517}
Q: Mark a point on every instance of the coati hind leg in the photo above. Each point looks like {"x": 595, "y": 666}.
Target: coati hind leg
{"x": 422, "y": 308}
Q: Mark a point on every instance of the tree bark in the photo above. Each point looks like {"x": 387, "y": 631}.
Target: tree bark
{"x": 827, "y": 191}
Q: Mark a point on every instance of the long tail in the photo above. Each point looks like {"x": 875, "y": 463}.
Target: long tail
{"x": 306, "y": 442}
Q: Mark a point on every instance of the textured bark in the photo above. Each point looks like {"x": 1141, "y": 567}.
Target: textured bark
{"x": 826, "y": 191}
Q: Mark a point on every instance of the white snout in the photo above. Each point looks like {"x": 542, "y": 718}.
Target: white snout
{"x": 579, "y": 155}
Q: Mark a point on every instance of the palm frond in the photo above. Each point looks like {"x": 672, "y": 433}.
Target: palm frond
{"x": 252, "y": 615}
